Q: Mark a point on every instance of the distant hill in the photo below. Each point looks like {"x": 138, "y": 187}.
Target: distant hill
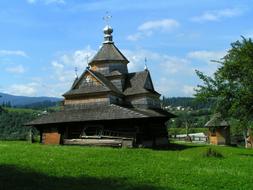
{"x": 24, "y": 100}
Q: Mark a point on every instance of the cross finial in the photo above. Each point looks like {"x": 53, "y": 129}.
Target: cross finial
{"x": 107, "y": 18}
{"x": 76, "y": 72}
{"x": 146, "y": 67}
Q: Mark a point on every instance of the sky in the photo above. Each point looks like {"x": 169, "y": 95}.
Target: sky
{"x": 42, "y": 41}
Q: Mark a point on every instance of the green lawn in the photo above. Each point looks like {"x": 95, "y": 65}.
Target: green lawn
{"x": 35, "y": 167}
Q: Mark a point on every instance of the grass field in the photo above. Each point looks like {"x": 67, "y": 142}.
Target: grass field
{"x": 36, "y": 167}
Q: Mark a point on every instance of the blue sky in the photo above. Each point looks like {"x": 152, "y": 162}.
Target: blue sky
{"x": 42, "y": 41}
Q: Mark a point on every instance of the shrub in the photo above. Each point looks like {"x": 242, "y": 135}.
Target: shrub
{"x": 210, "y": 152}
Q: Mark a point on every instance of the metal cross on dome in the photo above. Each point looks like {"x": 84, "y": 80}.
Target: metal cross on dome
{"x": 107, "y": 18}
{"x": 145, "y": 67}
{"x": 76, "y": 75}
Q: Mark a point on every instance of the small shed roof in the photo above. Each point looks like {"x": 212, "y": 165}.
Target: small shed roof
{"x": 217, "y": 121}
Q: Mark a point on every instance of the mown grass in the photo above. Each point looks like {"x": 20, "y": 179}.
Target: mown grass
{"x": 34, "y": 166}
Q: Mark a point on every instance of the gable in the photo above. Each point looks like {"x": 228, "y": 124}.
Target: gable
{"x": 91, "y": 82}
{"x": 139, "y": 83}
{"x": 87, "y": 80}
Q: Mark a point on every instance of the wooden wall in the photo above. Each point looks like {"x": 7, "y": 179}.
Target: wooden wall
{"x": 107, "y": 68}
{"x": 51, "y": 136}
{"x": 87, "y": 100}
{"x": 220, "y": 137}
{"x": 146, "y": 100}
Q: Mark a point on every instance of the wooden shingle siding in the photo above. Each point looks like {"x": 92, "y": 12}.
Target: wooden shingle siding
{"x": 144, "y": 101}
{"x": 107, "y": 68}
{"x": 87, "y": 100}
{"x": 118, "y": 83}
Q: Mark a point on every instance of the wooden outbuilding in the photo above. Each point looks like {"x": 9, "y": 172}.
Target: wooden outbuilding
{"x": 218, "y": 130}
{"x": 108, "y": 106}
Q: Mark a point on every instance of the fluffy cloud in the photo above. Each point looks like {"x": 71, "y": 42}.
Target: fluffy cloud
{"x": 206, "y": 56}
{"x": 172, "y": 76}
{"x": 13, "y": 53}
{"x": 147, "y": 28}
{"x": 188, "y": 90}
{"x": 169, "y": 73}
{"x": 165, "y": 25}
{"x": 166, "y": 86}
{"x": 23, "y": 89}
{"x": 217, "y": 15}
{"x": 19, "y": 69}
{"x": 63, "y": 68}
{"x": 169, "y": 64}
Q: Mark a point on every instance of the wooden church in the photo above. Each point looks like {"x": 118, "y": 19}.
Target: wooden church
{"x": 108, "y": 106}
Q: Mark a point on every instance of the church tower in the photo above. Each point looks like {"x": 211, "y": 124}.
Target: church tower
{"x": 109, "y": 61}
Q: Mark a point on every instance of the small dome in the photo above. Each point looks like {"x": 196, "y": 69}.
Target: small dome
{"x": 108, "y": 30}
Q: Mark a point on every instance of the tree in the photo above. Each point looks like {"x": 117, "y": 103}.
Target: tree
{"x": 232, "y": 85}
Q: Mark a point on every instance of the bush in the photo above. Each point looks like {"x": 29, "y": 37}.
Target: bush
{"x": 210, "y": 152}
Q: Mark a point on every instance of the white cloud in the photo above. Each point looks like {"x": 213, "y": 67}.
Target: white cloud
{"x": 174, "y": 76}
{"x": 137, "y": 59}
{"x": 57, "y": 65}
{"x": 77, "y": 58}
{"x": 164, "y": 25}
{"x": 217, "y": 15}
{"x": 171, "y": 75}
{"x": 61, "y": 75}
{"x": 13, "y": 53}
{"x": 147, "y": 28}
{"x": 206, "y": 56}
{"x": 174, "y": 65}
{"x": 166, "y": 86}
{"x": 169, "y": 64}
{"x": 137, "y": 36}
{"x": 63, "y": 67}
{"x": 188, "y": 90}
{"x": 47, "y": 2}
{"x": 16, "y": 69}
{"x": 23, "y": 89}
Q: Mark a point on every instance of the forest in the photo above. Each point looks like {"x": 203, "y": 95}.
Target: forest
{"x": 12, "y": 119}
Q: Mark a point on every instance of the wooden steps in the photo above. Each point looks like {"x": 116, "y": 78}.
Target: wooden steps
{"x": 100, "y": 142}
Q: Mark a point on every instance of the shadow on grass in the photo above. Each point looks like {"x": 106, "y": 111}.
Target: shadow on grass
{"x": 14, "y": 178}
{"x": 178, "y": 147}
{"x": 247, "y": 155}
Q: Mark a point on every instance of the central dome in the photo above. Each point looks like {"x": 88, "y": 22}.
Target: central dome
{"x": 108, "y": 30}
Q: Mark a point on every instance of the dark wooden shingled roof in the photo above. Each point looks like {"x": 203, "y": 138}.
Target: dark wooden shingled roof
{"x": 108, "y": 112}
{"x": 135, "y": 83}
{"x": 107, "y": 53}
{"x": 89, "y": 89}
{"x": 217, "y": 121}
{"x": 106, "y": 85}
